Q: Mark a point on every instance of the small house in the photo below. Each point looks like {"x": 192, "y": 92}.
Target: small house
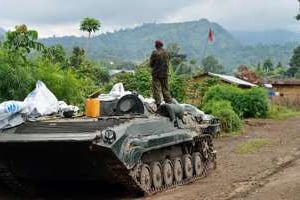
{"x": 287, "y": 92}
{"x": 112, "y": 73}
{"x": 194, "y": 93}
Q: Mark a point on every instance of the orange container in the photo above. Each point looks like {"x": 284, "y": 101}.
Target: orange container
{"x": 92, "y": 107}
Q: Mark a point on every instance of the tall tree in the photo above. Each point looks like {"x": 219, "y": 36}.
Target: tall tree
{"x": 55, "y": 53}
{"x": 211, "y": 64}
{"x": 178, "y": 61}
{"x": 77, "y": 57}
{"x": 268, "y": 65}
{"x": 89, "y": 25}
{"x": 279, "y": 65}
{"x": 258, "y": 69}
{"x": 279, "y": 71}
{"x": 22, "y": 41}
{"x": 298, "y": 16}
{"x": 294, "y": 62}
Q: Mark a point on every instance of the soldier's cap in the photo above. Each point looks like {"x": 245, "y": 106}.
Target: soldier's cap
{"x": 159, "y": 43}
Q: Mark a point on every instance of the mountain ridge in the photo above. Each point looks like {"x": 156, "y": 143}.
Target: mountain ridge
{"x": 136, "y": 44}
{"x": 278, "y": 36}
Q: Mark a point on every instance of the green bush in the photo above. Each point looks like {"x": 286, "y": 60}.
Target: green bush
{"x": 140, "y": 81}
{"x": 63, "y": 83}
{"x": 95, "y": 72}
{"x": 214, "y": 106}
{"x": 246, "y": 103}
{"x": 177, "y": 87}
{"x": 18, "y": 78}
{"x": 223, "y": 110}
{"x": 255, "y": 103}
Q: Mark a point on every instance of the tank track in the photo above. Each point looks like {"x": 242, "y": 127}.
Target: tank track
{"x": 131, "y": 179}
{"x": 209, "y": 163}
{"x": 13, "y": 183}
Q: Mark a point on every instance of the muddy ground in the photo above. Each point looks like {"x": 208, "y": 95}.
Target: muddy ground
{"x": 270, "y": 172}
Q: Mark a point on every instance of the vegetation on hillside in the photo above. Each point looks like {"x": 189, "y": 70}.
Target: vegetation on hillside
{"x": 136, "y": 44}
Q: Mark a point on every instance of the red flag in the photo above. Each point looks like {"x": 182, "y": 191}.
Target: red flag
{"x": 210, "y": 35}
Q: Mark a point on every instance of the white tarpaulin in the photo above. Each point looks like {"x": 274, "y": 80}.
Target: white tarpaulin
{"x": 40, "y": 102}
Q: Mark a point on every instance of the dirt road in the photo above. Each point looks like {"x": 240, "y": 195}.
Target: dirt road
{"x": 271, "y": 172}
{"x": 267, "y": 171}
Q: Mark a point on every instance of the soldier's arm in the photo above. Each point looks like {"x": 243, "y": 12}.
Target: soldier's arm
{"x": 168, "y": 56}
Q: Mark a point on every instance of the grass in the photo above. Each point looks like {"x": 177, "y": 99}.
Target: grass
{"x": 231, "y": 134}
{"x": 281, "y": 112}
{"x": 251, "y": 146}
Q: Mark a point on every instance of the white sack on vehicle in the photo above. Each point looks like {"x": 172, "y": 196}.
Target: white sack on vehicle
{"x": 41, "y": 101}
{"x": 12, "y": 113}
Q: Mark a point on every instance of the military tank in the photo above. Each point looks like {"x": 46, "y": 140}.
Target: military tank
{"x": 143, "y": 151}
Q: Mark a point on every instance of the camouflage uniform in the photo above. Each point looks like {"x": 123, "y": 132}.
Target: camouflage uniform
{"x": 159, "y": 63}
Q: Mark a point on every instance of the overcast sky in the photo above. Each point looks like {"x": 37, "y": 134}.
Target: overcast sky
{"x": 62, "y": 17}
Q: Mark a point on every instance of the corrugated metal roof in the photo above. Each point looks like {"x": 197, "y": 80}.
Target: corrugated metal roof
{"x": 117, "y": 71}
{"x": 284, "y": 82}
{"x": 232, "y": 79}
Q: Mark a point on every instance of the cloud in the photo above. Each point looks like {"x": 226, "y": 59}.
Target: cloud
{"x": 243, "y": 14}
{"x": 112, "y": 11}
{"x": 63, "y": 17}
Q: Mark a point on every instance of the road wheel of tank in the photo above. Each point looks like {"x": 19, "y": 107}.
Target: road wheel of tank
{"x": 157, "y": 178}
{"x": 178, "y": 171}
{"x": 198, "y": 164}
{"x": 205, "y": 149}
{"x": 187, "y": 166}
{"x": 214, "y": 160}
{"x": 145, "y": 177}
{"x": 168, "y": 172}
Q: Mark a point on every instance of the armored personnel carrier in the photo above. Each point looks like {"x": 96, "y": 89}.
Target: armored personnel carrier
{"x": 143, "y": 151}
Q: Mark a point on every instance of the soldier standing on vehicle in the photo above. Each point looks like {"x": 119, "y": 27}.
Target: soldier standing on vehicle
{"x": 159, "y": 63}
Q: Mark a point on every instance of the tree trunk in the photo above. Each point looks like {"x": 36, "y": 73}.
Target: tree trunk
{"x": 87, "y": 43}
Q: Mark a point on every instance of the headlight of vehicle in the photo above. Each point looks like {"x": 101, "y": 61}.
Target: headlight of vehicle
{"x": 109, "y": 136}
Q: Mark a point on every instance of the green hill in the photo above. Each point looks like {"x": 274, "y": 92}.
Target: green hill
{"x": 266, "y": 37}
{"x": 136, "y": 44}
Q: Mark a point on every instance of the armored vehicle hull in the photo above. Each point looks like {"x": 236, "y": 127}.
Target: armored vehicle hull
{"x": 146, "y": 154}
